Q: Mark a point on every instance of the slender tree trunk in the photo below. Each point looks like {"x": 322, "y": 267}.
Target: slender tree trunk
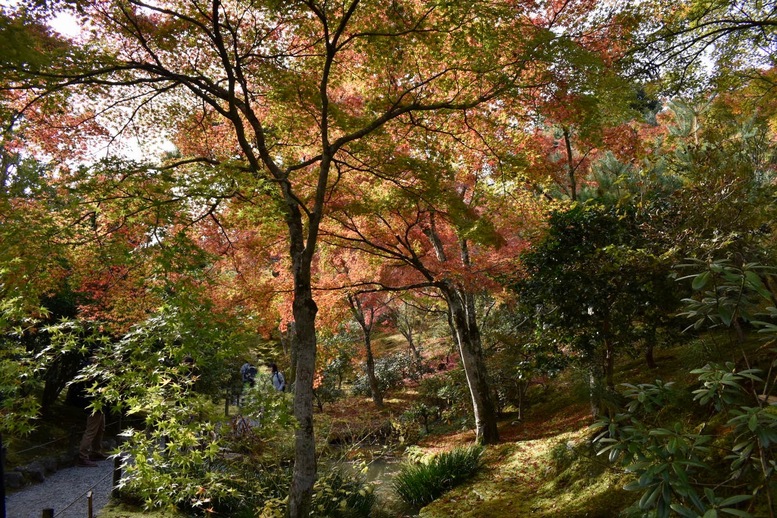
{"x": 304, "y": 345}
{"x": 593, "y": 392}
{"x": 471, "y": 351}
{"x": 523, "y": 388}
{"x": 304, "y": 475}
{"x": 407, "y": 332}
{"x": 358, "y": 314}
{"x": 463, "y": 322}
{"x": 377, "y": 395}
{"x": 570, "y": 164}
{"x": 649, "y": 347}
{"x": 609, "y": 364}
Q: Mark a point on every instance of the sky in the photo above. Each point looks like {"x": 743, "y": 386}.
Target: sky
{"x": 68, "y": 26}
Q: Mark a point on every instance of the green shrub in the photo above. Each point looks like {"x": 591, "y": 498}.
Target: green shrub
{"x": 448, "y": 392}
{"x": 339, "y": 494}
{"x": 671, "y": 463}
{"x": 390, "y": 371}
{"x": 423, "y": 414}
{"x": 420, "y": 484}
{"x": 336, "y": 494}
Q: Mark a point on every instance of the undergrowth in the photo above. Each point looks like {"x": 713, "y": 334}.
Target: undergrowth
{"x": 419, "y": 484}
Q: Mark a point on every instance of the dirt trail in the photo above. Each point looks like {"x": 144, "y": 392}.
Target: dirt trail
{"x": 64, "y": 491}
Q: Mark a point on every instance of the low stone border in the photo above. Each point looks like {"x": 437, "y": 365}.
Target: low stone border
{"x": 36, "y": 471}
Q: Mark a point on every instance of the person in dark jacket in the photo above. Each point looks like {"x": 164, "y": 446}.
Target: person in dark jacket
{"x": 90, "y": 448}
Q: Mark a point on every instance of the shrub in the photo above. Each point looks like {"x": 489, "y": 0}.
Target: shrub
{"x": 336, "y": 494}
{"x": 420, "y": 484}
{"x": 390, "y": 371}
{"x": 179, "y": 451}
{"x": 448, "y": 393}
{"x": 671, "y": 464}
{"x": 326, "y": 386}
{"x": 423, "y": 414}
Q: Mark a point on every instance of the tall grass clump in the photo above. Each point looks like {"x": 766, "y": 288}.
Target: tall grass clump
{"x": 420, "y": 484}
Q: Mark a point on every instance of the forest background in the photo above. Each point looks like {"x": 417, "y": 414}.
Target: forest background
{"x": 547, "y": 187}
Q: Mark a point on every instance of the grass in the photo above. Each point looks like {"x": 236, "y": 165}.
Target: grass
{"x": 420, "y": 484}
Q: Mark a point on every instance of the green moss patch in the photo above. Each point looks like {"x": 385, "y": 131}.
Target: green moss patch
{"x": 525, "y": 478}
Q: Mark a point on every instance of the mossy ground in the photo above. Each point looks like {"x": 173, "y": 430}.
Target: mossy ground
{"x": 124, "y": 510}
{"x": 520, "y": 479}
{"x": 545, "y": 465}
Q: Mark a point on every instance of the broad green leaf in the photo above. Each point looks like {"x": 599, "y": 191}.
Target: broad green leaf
{"x": 700, "y": 281}
{"x": 735, "y": 500}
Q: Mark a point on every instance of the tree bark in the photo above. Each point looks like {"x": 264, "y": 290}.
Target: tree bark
{"x": 302, "y": 241}
{"x": 366, "y": 327}
{"x": 405, "y": 327}
{"x": 649, "y": 347}
{"x": 609, "y": 364}
{"x": 463, "y": 322}
{"x": 417, "y": 359}
{"x": 593, "y": 392}
{"x": 471, "y": 351}
{"x": 570, "y": 164}
{"x": 377, "y": 395}
{"x": 304, "y": 475}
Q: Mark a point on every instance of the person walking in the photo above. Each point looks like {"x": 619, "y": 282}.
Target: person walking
{"x": 278, "y": 381}
{"x": 248, "y": 374}
{"x": 90, "y": 447}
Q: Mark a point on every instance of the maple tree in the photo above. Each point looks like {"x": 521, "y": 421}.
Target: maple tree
{"x": 584, "y": 108}
{"x": 366, "y": 309}
{"x": 412, "y": 316}
{"x": 447, "y": 229}
{"x": 340, "y": 275}
{"x": 281, "y": 91}
{"x": 402, "y": 130}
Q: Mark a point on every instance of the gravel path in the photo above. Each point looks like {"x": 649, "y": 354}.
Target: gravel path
{"x": 64, "y": 491}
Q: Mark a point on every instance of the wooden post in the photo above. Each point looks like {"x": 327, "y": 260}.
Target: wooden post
{"x": 89, "y": 512}
{"x": 116, "y": 476}
{"x": 48, "y": 513}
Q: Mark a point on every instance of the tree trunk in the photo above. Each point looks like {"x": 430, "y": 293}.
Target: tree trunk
{"x": 304, "y": 475}
{"x": 407, "y": 332}
{"x": 649, "y": 347}
{"x": 523, "y": 389}
{"x": 570, "y": 164}
{"x": 377, "y": 395}
{"x": 358, "y": 314}
{"x": 593, "y": 392}
{"x": 463, "y": 322}
{"x": 417, "y": 359}
{"x": 471, "y": 351}
{"x": 304, "y": 310}
{"x": 609, "y": 364}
